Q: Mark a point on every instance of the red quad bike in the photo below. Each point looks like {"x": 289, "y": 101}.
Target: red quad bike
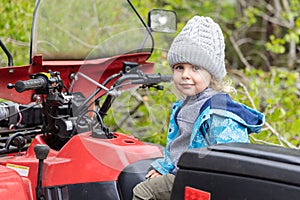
{"x": 54, "y": 143}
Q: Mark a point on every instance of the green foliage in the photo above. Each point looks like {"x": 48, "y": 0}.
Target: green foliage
{"x": 15, "y": 29}
{"x": 275, "y": 93}
{"x": 250, "y": 15}
{"x": 276, "y": 45}
{"x": 273, "y": 29}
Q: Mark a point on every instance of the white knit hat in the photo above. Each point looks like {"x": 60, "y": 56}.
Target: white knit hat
{"x": 200, "y": 42}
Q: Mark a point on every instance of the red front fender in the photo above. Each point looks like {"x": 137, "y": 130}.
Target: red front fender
{"x": 11, "y": 185}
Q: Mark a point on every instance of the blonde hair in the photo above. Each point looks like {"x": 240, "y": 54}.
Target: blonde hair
{"x": 222, "y": 86}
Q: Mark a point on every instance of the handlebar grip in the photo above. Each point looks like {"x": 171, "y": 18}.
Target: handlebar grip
{"x": 31, "y": 84}
{"x": 153, "y": 79}
{"x": 166, "y": 77}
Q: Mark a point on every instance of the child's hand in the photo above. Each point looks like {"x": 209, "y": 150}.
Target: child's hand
{"x": 152, "y": 173}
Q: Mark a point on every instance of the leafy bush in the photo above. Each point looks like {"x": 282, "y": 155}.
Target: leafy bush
{"x": 15, "y": 29}
{"x": 276, "y": 94}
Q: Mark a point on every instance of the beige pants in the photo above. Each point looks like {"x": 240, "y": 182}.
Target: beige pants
{"x": 158, "y": 188}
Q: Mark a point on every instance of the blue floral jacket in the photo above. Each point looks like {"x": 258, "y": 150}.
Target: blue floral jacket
{"x": 220, "y": 120}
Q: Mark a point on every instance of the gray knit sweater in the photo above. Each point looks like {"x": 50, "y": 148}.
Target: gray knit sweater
{"x": 185, "y": 120}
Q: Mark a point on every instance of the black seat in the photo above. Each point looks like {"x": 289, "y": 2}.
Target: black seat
{"x": 132, "y": 175}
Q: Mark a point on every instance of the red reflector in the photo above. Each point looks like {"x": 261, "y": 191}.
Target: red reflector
{"x": 195, "y": 194}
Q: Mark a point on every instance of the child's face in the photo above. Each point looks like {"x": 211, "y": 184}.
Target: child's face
{"x": 190, "y": 79}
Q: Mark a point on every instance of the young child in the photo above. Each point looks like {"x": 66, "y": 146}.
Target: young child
{"x": 207, "y": 116}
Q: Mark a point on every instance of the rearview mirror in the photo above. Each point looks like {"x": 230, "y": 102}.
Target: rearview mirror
{"x": 162, "y": 21}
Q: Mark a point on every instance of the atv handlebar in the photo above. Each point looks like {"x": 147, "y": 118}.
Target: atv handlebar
{"x": 145, "y": 79}
{"x": 138, "y": 77}
{"x": 31, "y": 84}
{"x": 41, "y": 82}
{"x": 149, "y": 79}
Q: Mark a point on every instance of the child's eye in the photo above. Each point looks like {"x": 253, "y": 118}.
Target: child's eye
{"x": 196, "y": 68}
{"x": 178, "y": 67}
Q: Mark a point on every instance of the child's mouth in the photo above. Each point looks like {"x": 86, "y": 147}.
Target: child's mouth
{"x": 186, "y": 85}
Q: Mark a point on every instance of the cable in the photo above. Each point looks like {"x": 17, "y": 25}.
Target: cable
{"x": 19, "y": 111}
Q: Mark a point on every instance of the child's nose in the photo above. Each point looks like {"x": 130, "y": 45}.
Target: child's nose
{"x": 186, "y": 73}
